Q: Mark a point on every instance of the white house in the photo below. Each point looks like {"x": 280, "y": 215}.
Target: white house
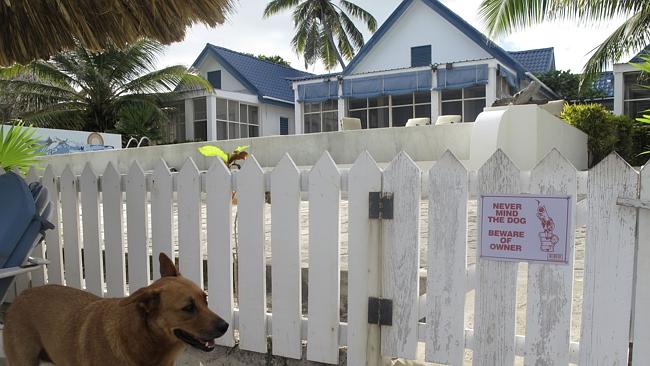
{"x": 251, "y": 98}
{"x": 630, "y": 97}
{"x": 424, "y": 61}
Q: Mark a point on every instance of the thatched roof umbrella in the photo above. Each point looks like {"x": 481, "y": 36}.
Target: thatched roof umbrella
{"x": 38, "y": 29}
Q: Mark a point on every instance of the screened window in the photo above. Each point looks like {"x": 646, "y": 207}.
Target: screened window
{"x": 390, "y": 111}
{"x": 200, "y": 119}
{"x": 637, "y": 97}
{"x": 176, "y": 130}
{"x": 284, "y": 126}
{"x": 321, "y": 117}
{"x": 236, "y": 120}
{"x": 467, "y": 102}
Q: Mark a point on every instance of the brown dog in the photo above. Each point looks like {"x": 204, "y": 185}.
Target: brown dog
{"x": 72, "y": 327}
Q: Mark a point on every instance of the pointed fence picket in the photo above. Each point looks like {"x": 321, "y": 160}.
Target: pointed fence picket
{"x": 252, "y": 263}
{"x": 401, "y": 257}
{"x": 447, "y": 253}
{"x": 324, "y": 261}
{"x": 495, "y": 299}
{"x": 609, "y": 264}
{"x": 93, "y": 269}
{"x": 383, "y": 256}
{"x": 641, "y": 354}
{"x": 38, "y": 276}
{"x": 285, "y": 251}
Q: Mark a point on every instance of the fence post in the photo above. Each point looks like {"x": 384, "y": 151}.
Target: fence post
{"x": 641, "y": 351}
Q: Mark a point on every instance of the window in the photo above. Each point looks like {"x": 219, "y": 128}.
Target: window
{"x": 236, "y": 120}
{"x": 321, "y": 117}
{"x": 421, "y": 56}
{"x": 200, "y": 119}
{"x": 387, "y": 111}
{"x": 636, "y": 98}
{"x": 214, "y": 78}
{"x": 284, "y": 126}
{"x": 467, "y": 102}
{"x": 176, "y": 129}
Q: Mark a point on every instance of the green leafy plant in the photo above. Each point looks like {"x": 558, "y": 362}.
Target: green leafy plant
{"x": 19, "y": 149}
{"x": 139, "y": 120}
{"x": 229, "y": 159}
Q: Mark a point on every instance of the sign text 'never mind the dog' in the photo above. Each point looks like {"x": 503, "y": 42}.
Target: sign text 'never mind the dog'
{"x": 525, "y": 227}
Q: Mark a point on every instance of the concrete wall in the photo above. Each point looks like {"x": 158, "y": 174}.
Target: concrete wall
{"x": 424, "y": 143}
{"x": 526, "y": 133}
{"x": 419, "y": 26}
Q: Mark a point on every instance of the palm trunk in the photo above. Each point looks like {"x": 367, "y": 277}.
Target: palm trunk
{"x": 331, "y": 40}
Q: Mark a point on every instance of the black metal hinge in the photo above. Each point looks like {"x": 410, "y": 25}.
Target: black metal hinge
{"x": 381, "y": 205}
{"x": 380, "y": 311}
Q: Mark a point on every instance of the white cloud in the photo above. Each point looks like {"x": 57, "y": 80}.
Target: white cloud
{"x": 247, "y": 31}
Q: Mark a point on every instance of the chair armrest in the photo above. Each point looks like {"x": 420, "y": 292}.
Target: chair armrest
{"x": 14, "y": 271}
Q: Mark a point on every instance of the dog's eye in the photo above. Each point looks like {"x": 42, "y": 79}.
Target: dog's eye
{"x": 191, "y": 308}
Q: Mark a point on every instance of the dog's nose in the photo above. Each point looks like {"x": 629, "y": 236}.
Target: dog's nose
{"x": 221, "y": 326}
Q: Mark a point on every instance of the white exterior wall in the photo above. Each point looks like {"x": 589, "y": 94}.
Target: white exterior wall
{"x": 619, "y": 85}
{"x": 419, "y": 26}
{"x": 228, "y": 82}
{"x": 270, "y": 119}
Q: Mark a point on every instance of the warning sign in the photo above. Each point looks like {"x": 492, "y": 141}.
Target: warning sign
{"x": 525, "y": 227}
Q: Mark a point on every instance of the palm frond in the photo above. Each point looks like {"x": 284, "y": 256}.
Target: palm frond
{"x": 358, "y": 12}
{"x": 277, "y": 6}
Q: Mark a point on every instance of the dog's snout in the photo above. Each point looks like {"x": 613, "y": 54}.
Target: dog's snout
{"x": 221, "y": 326}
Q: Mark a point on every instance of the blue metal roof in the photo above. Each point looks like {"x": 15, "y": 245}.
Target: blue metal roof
{"x": 453, "y": 18}
{"x": 605, "y": 83}
{"x": 264, "y": 78}
{"x": 536, "y": 61}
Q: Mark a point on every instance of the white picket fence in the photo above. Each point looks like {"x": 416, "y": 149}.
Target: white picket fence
{"x": 383, "y": 256}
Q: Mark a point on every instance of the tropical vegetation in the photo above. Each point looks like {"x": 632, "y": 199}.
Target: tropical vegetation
{"x": 85, "y": 90}
{"x": 505, "y": 16}
{"x": 567, "y": 85}
{"x": 19, "y": 149}
{"x": 325, "y": 30}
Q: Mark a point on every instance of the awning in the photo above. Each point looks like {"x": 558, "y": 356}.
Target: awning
{"x": 462, "y": 77}
{"x": 391, "y": 84}
{"x": 318, "y": 92}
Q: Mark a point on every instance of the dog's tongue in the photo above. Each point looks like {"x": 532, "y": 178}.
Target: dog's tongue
{"x": 210, "y": 343}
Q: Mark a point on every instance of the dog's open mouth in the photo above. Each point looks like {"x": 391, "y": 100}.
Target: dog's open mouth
{"x": 203, "y": 345}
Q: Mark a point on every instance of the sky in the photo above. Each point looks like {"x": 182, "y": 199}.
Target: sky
{"x": 247, "y": 31}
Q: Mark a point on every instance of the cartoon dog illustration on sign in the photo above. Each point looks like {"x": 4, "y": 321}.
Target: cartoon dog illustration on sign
{"x": 547, "y": 238}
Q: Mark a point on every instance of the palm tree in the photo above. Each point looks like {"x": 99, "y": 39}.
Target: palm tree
{"x": 506, "y": 16}
{"x": 318, "y": 23}
{"x": 85, "y": 90}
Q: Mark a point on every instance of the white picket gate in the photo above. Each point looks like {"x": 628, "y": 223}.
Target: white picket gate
{"x": 383, "y": 256}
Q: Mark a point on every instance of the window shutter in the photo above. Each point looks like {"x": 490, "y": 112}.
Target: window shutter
{"x": 421, "y": 56}
{"x": 214, "y": 78}
{"x": 284, "y": 126}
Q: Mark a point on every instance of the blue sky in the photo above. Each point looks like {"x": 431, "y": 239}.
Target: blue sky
{"x": 247, "y": 31}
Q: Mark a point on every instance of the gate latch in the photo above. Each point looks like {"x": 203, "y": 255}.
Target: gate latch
{"x": 381, "y": 205}
{"x": 380, "y": 311}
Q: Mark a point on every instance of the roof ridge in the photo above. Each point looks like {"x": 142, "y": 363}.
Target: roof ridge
{"x": 256, "y": 58}
{"x": 533, "y": 49}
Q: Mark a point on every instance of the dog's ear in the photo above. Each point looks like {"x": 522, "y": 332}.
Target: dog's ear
{"x": 148, "y": 299}
{"x": 167, "y": 267}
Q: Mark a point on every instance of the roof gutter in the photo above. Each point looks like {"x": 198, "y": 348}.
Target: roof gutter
{"x": 534, "y": 78}
{"x": 277, "y": 99}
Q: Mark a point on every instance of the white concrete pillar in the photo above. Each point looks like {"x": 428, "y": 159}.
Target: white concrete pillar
{"x": 298, "y": 113}
{"x": 189, "y": 119}
{"x": 619, "y": 93}
{"x": 341, "y": 104}
{"x": 491, "y": 87}
{"x": 211, "y": 105}
{"x": 435, "y": 99}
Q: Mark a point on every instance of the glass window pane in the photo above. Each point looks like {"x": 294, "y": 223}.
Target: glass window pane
{"x": 379, "y": 118}
{"x": 243, "y": 129}
{"x": 233, "y": 130}
{"x": 358, "y": 103}
{"x": 222, "y": 130}
{"x": 200, "y": 131}
{"x": 222, "y": 109}
{"x": 636, "y": 108}
{"x": 634, "y": 88}
{"x": 312, "y": 107}
{"x": 330, "y": 121}
{"x": 233, "y": 111}
{"x": 362, "y": 115}
{"x": 378, "y": 102}
{"x": 402, "y": 99}
{"x": 243, "y": 113}
{"x": 200, "y": 109}
{"x": 423, "y": 110}
{"x": 253, "y": 115}
{"x": 401, "y": 115}
{"x": 475, "y": 92}
{"x": 253, "y": 131}
{"x": 451, "y": 94}
{"x": 330, "y": 105}
{"x": 452, "y": 108}
{"x": 312, "y": 123}
{"x": 180, "y": 132}
{"x": 422, "y": 97}
{"x": 472, "y": 109}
